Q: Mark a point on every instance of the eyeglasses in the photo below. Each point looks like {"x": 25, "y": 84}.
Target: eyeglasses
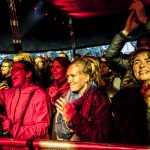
{"x": 16, "y": 69}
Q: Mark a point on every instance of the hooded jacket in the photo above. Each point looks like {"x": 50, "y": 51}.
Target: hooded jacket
{"x": 36, "y": 119}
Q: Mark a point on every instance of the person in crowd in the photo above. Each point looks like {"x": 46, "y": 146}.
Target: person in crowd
{"x": 23, "y": 56}
{"x": 39, "y": 62}
{"x": 144, "y": 41}
{"x": 5, "y": 71}
{"x": 137, "y": 17}
{"x": 63, "y": 54}
{"x": 27, "y": 110}
{"x": 43, "y": 73}
{"x": 112, "y": 80}
{"x": 39, "y": 74}
{"x": 84, "y": 112}
{"x": 58, "y": 87}
{"x": 5, "y": 83}
{"x": 76, "y": 56}
{"x": 131, "y": 105}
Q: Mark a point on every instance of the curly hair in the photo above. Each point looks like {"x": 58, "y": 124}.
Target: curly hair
{"x": 129, "y": 78}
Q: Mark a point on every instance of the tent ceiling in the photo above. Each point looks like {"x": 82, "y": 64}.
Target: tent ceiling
{"x": 43, "y": 24}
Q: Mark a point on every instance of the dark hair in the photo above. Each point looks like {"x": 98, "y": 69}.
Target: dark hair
{"x": 144, "y": 41}
{"x": 77, "y": 56}
{"x": 28, "y": 66}
{"x": 129, "y": 79}
{"x": 63, "y": 61}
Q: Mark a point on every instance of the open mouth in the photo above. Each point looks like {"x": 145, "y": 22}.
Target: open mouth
{"x": 143, "y": 72}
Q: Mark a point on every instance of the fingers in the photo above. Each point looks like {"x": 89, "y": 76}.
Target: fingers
{"x": 135, "y": 5}
{"x": 3, "y": 117}
{"x": 131, "y": 14}
{"x": 61, "y": 106}
{"x": 4, "y": 87}
{"x": 6, "y": 124}
{"x": 60, "y": 103}
{"x": 53, "y": 90}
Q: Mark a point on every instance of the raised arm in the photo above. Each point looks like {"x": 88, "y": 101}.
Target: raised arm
{"x": 113, "y": 52}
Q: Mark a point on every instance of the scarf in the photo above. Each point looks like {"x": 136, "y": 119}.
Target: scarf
{"x": 82, "y": 105}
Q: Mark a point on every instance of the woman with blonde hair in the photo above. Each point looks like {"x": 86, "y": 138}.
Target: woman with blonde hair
{"x": 84, "y": 112}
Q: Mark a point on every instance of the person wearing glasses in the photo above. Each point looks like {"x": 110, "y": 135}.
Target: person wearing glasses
{"x": 27, "y": 112}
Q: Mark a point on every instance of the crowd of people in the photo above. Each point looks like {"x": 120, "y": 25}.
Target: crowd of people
{"x": 92, "y": 99}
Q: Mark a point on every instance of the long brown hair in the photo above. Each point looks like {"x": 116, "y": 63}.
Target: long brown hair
{"x": 129, "y": 78}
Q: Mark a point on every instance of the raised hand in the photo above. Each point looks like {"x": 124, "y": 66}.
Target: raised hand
{"x": 53, "y": 92}
{"x": 138, "y": 7}
{"x": 131, "y": 23}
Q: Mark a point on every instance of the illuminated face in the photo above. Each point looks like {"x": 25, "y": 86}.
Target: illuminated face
{"x": 18, "y": 75}
{"x": 78, "y": 81}
{"x": 141, "y": 67}
{"x": 39, "y": 62}
{"x": 5, "y": 69}
{"x": 58, "y": 71}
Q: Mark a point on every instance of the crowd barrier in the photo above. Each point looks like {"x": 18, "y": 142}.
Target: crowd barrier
{"x": 7, "y": 143}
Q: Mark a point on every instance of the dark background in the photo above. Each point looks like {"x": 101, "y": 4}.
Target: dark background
{"x": 44, "y": 24}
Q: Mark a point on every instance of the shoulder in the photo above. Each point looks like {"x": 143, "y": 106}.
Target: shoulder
{"x": 128, "y": 93}
{"x": 9, "y": 91}
{"x": 100, "y": 96}
{"x": 128, "y": 99}
{"x": 40, "y": 92}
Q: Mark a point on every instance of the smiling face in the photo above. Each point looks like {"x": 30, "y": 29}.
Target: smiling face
{"x": 77, "y": 80}
{"x": 58, "y": 71}
{"x": 18, "y": 75}
{"x": 141, "y": 67}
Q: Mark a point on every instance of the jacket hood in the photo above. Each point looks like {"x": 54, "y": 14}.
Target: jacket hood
{"x": 30, "y": 89}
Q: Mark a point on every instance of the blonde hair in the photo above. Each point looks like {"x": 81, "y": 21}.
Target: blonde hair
{"x": 89, "y": 65}
{"x": 23, "y": 56}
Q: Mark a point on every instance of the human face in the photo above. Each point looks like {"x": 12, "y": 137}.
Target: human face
{"x": 77, "y": 80}
{"x": 104, "y": 68}
{"x": 18, "y": 75}
{"x": 39, "y": 62}
{"x": 143, "y": 42}
{"x": 5, "y": 69}
{"x": 58, "y": 71}
{"x": 141, "y": 67}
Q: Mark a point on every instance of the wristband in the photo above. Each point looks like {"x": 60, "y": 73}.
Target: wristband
{"x": 125, "y": 33}
{"x": 144, "y": 20}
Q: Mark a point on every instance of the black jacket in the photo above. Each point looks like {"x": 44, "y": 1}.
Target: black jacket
{"x": 131, "y": 116}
